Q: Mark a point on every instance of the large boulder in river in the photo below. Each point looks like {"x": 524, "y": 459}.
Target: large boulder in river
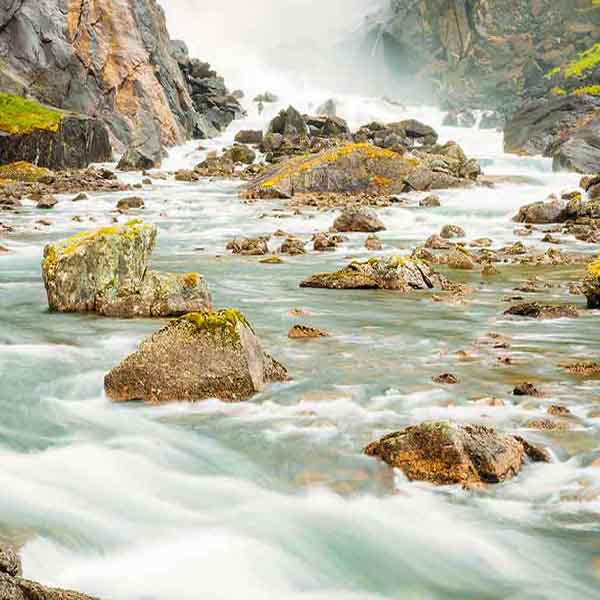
{"x": 540, "y": 213}
{"x": 139, "y": 159}
{"x": 398, "y": 273}
{"x": 358, "y": 218}
{"x": 581, "y": 152}
{"x": 48, "y": 137}
{"x": 591, "y": 284}
{"x": 199, "y": 356}
{"x": 445, "y": 453}
{"x": 289, "y": 123}
{"x": 347, "y": 168}
{"x": 106, "y": 271}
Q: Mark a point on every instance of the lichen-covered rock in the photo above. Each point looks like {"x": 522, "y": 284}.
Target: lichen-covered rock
{"x": 49, "y": 137}
{"x": 591, "y": 284}
{"x": 446, "y": 453}
{"x": 347, "y": 168}
{"x": 249, "y": 246}
{"x": 23, "y": 171}
{"x": 395, "y": 273}
{"x": 358, "y": 218}
{"x": 106, "y": 271}
{"x": 139, "y": 159}
{"x": 537, "y": 310}
{"x": 198, "y": 356}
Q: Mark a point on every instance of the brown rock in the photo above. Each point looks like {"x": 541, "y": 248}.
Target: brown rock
{"x": 358, "y": 219}
{"x": 373, "y": 243}
{"x": 536, "y": 310}
{"x": 446, "y": 379}
{"x": 303, "y": 332}
{"x": 528, "y": 389}
{"x": 130, "y": 202}
{"x": 452, "y": 231}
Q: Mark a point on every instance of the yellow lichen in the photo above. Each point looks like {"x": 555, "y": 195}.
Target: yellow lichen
{"x": 225, "y": 320}
{"x": 305, "y": 163}
{"x": 191, "y": 279}
{"x": 589, "y": 90}
{"x": 594, "y": 268}
{"x": 21, "y": 116}
{"x": 23, "y": 171}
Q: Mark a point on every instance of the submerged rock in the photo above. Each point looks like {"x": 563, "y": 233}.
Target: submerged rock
{"x": 395, "y": 273}
{"x": 198, "y": 356}
{"x": 447, "y": 453}
{"x": 537, "y": 310}
{"x": 358, "y": 219}
{"x": 106, "y": 271}
{"x": 303, "y": 332}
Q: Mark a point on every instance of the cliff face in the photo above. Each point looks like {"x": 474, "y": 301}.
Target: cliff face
{"x": 489, "y": 53}
{"x": 111, "y": 59}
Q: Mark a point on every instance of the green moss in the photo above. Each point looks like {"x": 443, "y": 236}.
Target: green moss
{"x": 23, "y": 171}
{"x": 225, "y": 320}
{"x": 22, "y": 116}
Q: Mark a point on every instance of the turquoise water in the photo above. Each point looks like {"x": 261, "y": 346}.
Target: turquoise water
{"x": 273, "y": 498}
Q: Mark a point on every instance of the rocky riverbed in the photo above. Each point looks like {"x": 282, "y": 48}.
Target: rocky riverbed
{"x": 125, "y": 500}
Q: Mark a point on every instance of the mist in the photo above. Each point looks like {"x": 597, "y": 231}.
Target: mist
{"x": 282, "y": 45}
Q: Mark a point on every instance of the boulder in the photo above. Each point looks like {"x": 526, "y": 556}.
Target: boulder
{"x": 452, "y": 231}
{"x": 247, "y": 136}
{"x": 49, "y": 137}
{"x": 324, "y": 242}
{"x": 10, "y": 563}
{"x": 540, "y": 213}
{"x": 249, "y": 246}
{"x": 537, "y": 310}
{"x": 358, "y": 219}
{"x": 581, "y": 152}
{"x": 106, "y": 271}
{"x": 24, "y": 172}
{"x": 198, "y": 356}
{"x": 289, "y": 123}
{"x": 347, "y": 168}
{"x": 292, "y": 246}
{"x": 431, "y": 201}
{"x": 448, "y": 454}
{"x": 459, "y": 258}
{"x": 327, "y": 126}
{"x": 304, "y": 332}
{"x": 130, "y": 202}
{"x": 240, "y": 154}
{"x": 417, "y": 131}
{"x": 47, "y": 202}
{"x": 591, "y": 284}
{"x": 398, "y": 273}
{"x": 373, "y": 243}
{"x": 139, "y": 159}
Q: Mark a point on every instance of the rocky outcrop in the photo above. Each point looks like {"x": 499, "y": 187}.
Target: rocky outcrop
{"x": 106, "y": 271}
{"x": 48, "y": 137}
{"x": 591, "y": 284}
{"x": 490, "y": 54}
{"x": 199, "y": 356}
{"x": 398, "y": 273}
{"x": 14, "y": 587}
{"x": 106, "y": 59}
{"x": 445, "y": 453}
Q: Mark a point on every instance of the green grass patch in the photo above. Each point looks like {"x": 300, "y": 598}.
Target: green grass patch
{"x": 22, "y": 116}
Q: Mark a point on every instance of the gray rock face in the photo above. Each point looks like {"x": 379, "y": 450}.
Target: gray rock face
{"x": 540, "y": 213}
{"x": 581, "y": 152}
{"x": 199, "y": 356}
{"x": 288, "y": 123}
{"x": 107, "y": 59}
{"x": 106, "y": 271}
{"x": 78, "y": 142}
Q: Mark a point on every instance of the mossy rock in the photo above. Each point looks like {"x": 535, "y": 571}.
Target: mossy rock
{"x": 198, "y": 356}
{"x": 20, "y": 116}
{"x": 23, "y": 171}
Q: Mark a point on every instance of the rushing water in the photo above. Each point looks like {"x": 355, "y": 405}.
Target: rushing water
{"x": 273, "y": 498}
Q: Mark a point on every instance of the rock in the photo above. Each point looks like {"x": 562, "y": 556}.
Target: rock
{"x": 249, "y": 246}
{"x": 459, "y": 258}
{"x": 329, "y": 127}
{"x": 47, "y": 202}
{"x": 395, "y": 273}
{"x": 289, "y": 123}
{"x": 536, "y": 310}
{"x": 591, "y": 284}
{"x": 49, "y": 137}
{"x": 581, "y": 151}
{"x": 431, "y": 201}
{"x": 462, "y": 118}
{"x": 266, "y": 98}
{"x": 547, "y": 425}
{"x": 247, "y": 136}
{"x": 373, "y": 243}
{"x": 448, "y": 454}
{"x": 24, "y": 171}
{"x": 272, "y": 260}
{"x": 139, "y": 159}
{"x": 528, "y": 389}
{"x": 240, "y": 154}
{"x": 10, "y": 564}
{"x": 418, "y": 131}
{"x": 435, "y": 242}
{"x": 130, "y": 202}
{"x": 358, "y": 219}
{"x": 323, "y": 242}
{"x": 292, "y": 246}
{"x": 452, "y": 231}
{"x": 489, "y": 270}
{"x": 584, "y": 368}
{"x": 80, "y": 197}
{"x": 106, "y": 271}
{"x": 446, "y": 379}
{"x": 303, "y": 332}
{"x": 559, "y": 411}
{"x": 198, "y": 356}
{"x": 328, "y": 108}
{"x": 539, "y": 213}
{"x": 541, "y": 125}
